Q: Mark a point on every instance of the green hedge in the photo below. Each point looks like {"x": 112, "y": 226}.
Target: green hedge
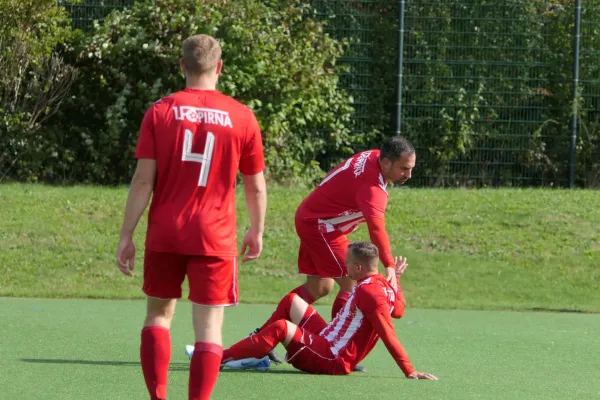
{"x": 277, "y": 60}
{"x": 487, "y": 86}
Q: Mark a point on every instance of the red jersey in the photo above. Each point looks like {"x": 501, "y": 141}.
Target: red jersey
{"x": 366, "y": 317}
{"x": 199, "y": 139}
{"x": 354, "y": 192}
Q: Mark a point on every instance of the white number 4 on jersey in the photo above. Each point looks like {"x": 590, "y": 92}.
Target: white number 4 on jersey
{"x": 205, "y": 158}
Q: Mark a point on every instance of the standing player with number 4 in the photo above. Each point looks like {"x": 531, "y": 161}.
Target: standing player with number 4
{"x": 191, "y": 146}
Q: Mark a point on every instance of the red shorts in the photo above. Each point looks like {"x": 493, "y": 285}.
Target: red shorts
{"x": 212, "y": 280}
{"x": 311, "y": 353}
{"x": 321, "y": 254}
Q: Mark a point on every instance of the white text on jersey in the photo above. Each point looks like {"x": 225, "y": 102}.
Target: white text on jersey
{"x": 202, "y": 115}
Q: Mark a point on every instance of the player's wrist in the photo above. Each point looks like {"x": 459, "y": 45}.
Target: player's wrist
{"x": 126, "y": 233}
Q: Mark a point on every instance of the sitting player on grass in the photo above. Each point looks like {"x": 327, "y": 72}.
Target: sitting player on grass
{"x": 317, "y": 347}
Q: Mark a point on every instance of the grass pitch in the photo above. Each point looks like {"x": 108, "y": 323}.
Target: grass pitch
{"x": 467, "y": 249}
{"x": 88, "y": 349}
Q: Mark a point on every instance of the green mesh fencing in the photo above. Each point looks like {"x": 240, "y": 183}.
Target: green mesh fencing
{"x": 87, "y": 11}
{"x": 476, "y": 91}
{"x": 486, "y": 87}
{"x": 588, "y": 162}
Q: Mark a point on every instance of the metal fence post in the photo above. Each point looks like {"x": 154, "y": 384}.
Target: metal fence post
{"x": 400, "y": 63}
{"x": 575, "y": 110}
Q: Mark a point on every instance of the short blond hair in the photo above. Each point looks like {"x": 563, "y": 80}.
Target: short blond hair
{"x": 201, "y": 53}
{"x": 364, "y": 252}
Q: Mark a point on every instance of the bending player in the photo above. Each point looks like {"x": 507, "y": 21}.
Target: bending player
{"x": 353, "y": 193}
{"x": 317, "y": 347}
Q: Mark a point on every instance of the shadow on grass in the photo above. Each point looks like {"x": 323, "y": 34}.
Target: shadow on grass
{"x": 270, "y": 371}
{"x": 185, "y": 367}
{"x": 172, "y": 367}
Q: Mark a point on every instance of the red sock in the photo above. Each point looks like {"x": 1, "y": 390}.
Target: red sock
{"x": 282, "y": 311}
{"x": 155, "y": 355}
{"x": 204, "y": 370}
{"x": 302, "y": 291}
{"x": 259, "y": 344}
{"x": 339, "y": 303}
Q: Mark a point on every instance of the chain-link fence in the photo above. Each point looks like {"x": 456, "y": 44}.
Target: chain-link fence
{"x": 487, "y": 86}
{"x": 86, "y": 12}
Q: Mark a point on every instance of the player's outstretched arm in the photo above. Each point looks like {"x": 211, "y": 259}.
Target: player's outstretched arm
{"x": 382, "y": 324}
{"x": 375, "y": 307}
{"x": 140, "y": 192}
{"x": 372, "y": 201}
{"x": 255, "y": 189}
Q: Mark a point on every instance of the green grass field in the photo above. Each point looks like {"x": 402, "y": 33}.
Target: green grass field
{"x": 88, "y": 349}
{"x": 467, "y": 249}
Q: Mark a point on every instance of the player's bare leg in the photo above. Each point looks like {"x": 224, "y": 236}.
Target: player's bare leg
{"x": 159, "y": 312}
{"x": 314, "y": 288}
{"x": 319, "y": 287}
{"x": 208, "y": 350}
{"x": 155, "y": 349}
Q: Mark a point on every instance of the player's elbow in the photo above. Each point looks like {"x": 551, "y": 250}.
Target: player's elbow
{"x": 145, "y": 174}
{"x": 255, "y": 184}
{"x": 142, "y": 182}
{"x": 398, "y": 311}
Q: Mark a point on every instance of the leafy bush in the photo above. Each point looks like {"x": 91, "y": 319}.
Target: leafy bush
{"x": 33, "y": 83}
{"x": 277, "y": 60}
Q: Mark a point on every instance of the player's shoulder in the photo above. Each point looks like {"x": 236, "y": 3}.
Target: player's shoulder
{"x": 164, "y": 102}
{"x": 368, "y": 170}
{"x": 372, "y": 284}
{"x": 371, "y": 293}
{"x": 233, "y": 105}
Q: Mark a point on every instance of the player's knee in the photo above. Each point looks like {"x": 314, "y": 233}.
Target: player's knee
{"x": 319, "y": 288}
{"x": 290, "y": 332}
{"x": 277, "y": 329}
{"x": 288, "y": 299}
{"x": 159, "y": 312}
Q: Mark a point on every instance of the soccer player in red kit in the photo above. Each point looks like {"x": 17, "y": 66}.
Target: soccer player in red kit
{"x": 317, "y": 347}
{"x": 191, "y": 146}
{"x": 353, "y": 193}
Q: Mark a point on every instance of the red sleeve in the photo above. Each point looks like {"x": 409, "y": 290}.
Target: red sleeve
{"x": 252, "y": 160}
{"x": 372, "y": 201}
{"x": 374, "y": 306}
{"x": 400, "y": 303}
{"x": 146, "y": 144}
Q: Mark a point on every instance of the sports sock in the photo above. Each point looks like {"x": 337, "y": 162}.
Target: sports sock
{"x": 204, "y": 370}
{"x": 259, "y": 344}
{"x": 304, "y": 294}
{"x": 339, "y": 302}
{"x": 281, "y": 312}
{"x": 155, "y": 355}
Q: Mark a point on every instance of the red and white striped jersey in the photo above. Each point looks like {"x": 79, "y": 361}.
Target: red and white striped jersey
{"x": 353, "y": 193}
{"x": 365, "y": 318}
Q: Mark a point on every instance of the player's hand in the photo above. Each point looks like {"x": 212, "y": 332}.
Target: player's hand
{"x": 126, "y": 255}
{"x": 390, "y": 276}
{"x": 422, "y": 375}
{"x": 251, "y": 245}
{"x": 400, "y": 265}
